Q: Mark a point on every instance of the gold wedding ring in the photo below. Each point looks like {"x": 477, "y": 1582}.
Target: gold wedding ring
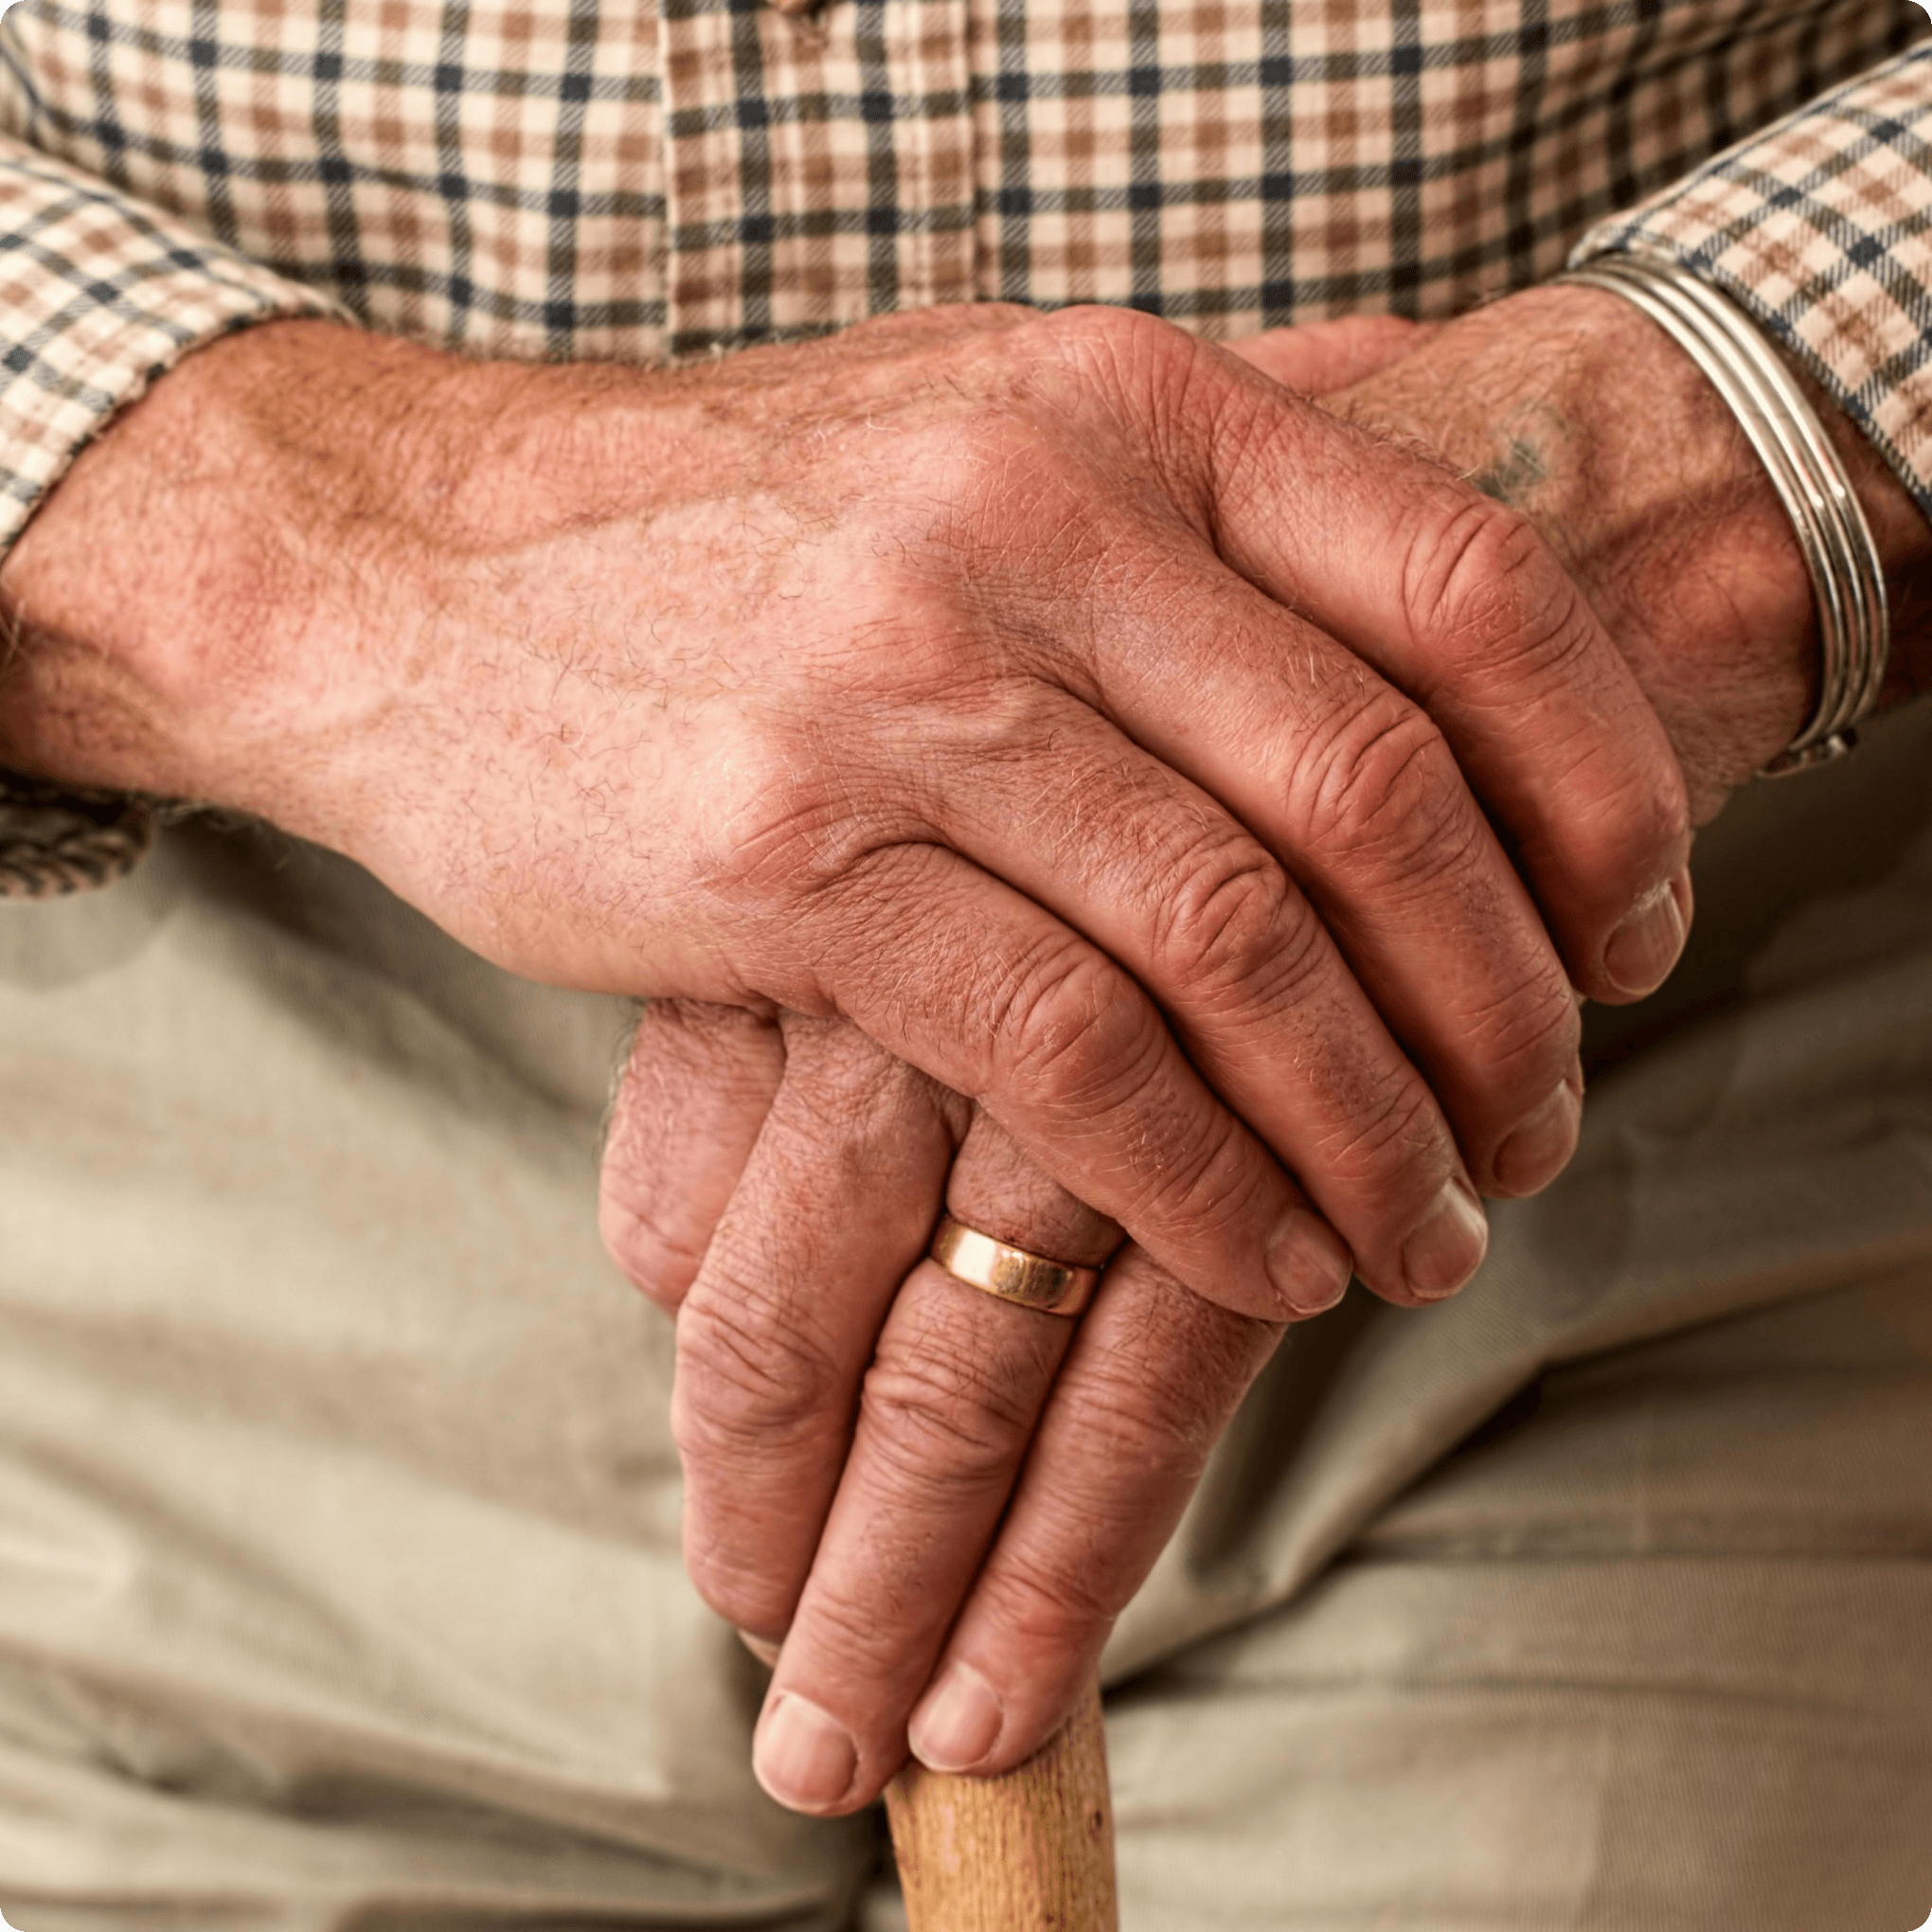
{"x": 1012, "y": 1272}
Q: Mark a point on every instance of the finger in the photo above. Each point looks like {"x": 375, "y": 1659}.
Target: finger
{"x": 997, "y": 1188}
{"x": 836, "y": 1203}
{"x": 1263, "y": 1003}
{"x": 693, "y": 1096}
{"x": 1150, "y": 1383}
{"x": 1317, "y": 357}
{"x": 1349, "y": 791}
{"x": 1355, "y": 794}
{"x": 966, "y": 978}
{"x": 1461, "y": 604}
{"x": 951, "y": 1401}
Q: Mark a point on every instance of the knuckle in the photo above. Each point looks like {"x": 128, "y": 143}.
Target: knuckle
{"x": 944, "y": 1416}
{"x": 1195, "y": 1179}
{"x": 1145, "y": 1430}
{"x": 1090, "y": 1052}
{"x": 1128, "y": 339}
{"x": 680, "y": 1047}
{"x": 1204, "y": 1185}
{"x": 1153, "y": 1406}
{"x": 844, "y": 1091}
{"x": 1057, "y": 1599}
{"x": 739, "y": 1585}
{"x": 792, "y": 838}
{"x": 1230, "y": 922}
{"x": 800, "y": 811}
{"x": 1381, "y": 785}
{"x": 867, "y": 1621}
{"x": 1388, "y": 1141}
{"x": 1479, "y": 584}
{"x": 1167, "y": 391}
{"x": 772, "y": 820}
{"x": 751, "y": 1381}
{"x": 656, "y": 1258}
{"x": 1074, "y": 1029}
{"x": 1480, "y": 588}
{"x": 1528, "y": 1034}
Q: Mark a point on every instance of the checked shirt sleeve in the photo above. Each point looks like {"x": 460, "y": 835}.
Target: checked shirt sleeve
{"x": 99, "y": 295}
{"x": 1821, "y": 227}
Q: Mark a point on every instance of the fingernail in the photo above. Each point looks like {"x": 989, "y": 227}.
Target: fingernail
{"x": 1449, "y": 1245}
{"x": 803, "y": 1758}
{"x": 1644, "y": 948}
{"x": 1540, "y": 1149}
{"x": 1308, "y": 1266}
{"x": 956, "y": 1721}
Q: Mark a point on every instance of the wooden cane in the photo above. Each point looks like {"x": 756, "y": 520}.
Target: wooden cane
{"x": 1030, "y": 1851}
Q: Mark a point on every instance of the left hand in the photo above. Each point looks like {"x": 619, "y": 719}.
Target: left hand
{"x": 1000, "y": 1486}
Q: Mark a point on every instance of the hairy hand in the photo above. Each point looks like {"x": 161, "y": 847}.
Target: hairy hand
{"x": 852, "y": 1503}
{"x": 1566, "y": 404}
{"x": 1029, "y": 692}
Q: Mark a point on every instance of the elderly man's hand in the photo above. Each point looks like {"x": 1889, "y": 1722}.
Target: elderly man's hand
{"x": 1029, "y": 692}
{"x": 856, "y": 1527}
{"x": 1567, "y": 405}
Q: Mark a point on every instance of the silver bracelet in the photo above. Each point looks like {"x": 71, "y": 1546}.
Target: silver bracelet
{"x": 1847, "y": 579}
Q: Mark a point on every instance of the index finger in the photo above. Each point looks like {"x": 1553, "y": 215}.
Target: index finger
{"x": 1459, "y": 602}
{"x": 1453, "y": 598}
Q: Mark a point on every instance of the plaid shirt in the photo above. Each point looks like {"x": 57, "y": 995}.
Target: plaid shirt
{"x": 581, "y": 178}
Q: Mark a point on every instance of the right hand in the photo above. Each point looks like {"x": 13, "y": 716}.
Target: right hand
{"x": 1000, "y": 682}
{"x": 869, "y": 1444}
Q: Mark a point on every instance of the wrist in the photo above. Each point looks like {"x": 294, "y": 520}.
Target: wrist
{"x": 1568, "y": 404}
{"x": 207, "y": 606}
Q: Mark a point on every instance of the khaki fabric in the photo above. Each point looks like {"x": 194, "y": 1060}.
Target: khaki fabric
{"x": 339, "y": 1587}
{"x": 339, "y": 1575}
{"x": 1607, "y": 1587}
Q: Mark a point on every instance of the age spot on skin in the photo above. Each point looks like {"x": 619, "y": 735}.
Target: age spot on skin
{"x": 1514, "y": 479}
{"x": 1534, "y": 443}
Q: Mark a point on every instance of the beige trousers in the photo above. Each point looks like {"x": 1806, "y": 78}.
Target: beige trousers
{"x": 339, "y": 1581}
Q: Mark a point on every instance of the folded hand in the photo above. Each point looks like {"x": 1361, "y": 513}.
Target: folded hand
{"x": 950, "y": 1452}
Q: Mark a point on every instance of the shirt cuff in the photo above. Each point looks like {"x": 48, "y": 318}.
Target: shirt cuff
{"x": 99, "y": 295}
{"x": 1821, "y": 228}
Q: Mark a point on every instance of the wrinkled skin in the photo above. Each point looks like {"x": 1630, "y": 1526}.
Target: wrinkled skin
{"x": 1068, "y": 744}
{"x": 761, "y": 1167}
{"x": 1002, "y": 685}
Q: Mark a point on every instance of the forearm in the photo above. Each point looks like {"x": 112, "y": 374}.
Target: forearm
{"x": 1813, "y": 228}
{"x": 105, "y": 294}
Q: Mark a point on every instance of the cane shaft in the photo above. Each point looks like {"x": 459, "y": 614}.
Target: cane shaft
{"x": 1030, "y": 1851}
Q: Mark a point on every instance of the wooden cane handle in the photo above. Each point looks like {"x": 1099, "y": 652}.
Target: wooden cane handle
{"x": 1030, "y": 1851}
